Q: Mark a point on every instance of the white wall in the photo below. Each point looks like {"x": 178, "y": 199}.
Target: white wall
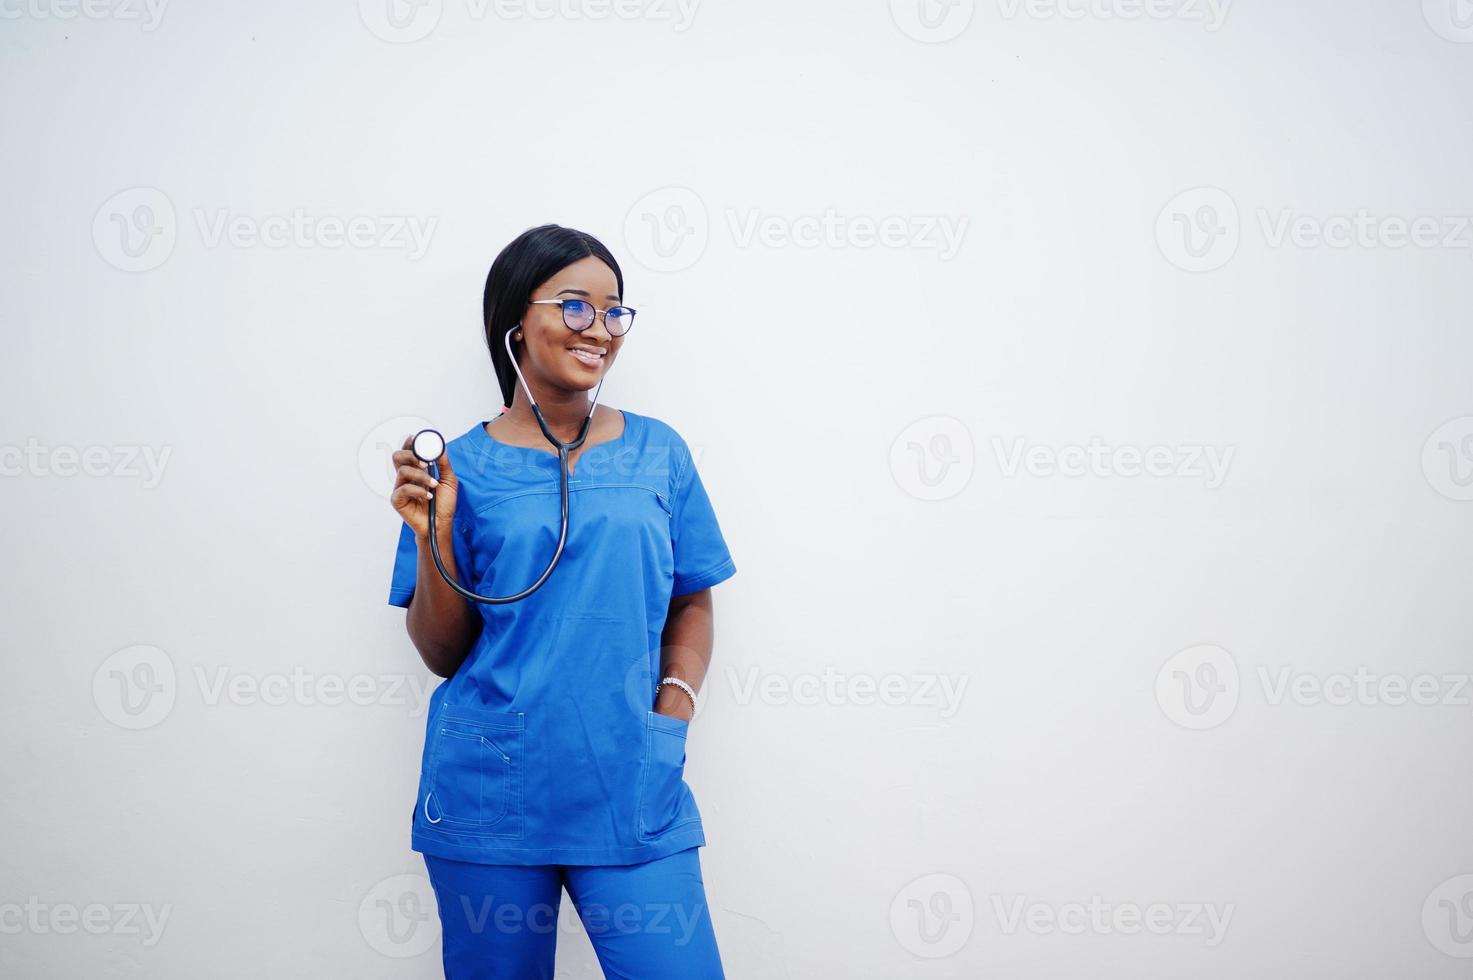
{"x": 857, "y": 406}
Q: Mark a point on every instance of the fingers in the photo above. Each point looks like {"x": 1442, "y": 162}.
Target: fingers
{"x": 447, "y": 472}
{"x": 407, "y": 493}
{"x": 408, "y": 475}
{"x": 406, "y": 457}
{"x": 414, "y": 487}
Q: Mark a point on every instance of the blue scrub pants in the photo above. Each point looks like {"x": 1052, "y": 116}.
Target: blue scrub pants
{"x": 646, "y": 921}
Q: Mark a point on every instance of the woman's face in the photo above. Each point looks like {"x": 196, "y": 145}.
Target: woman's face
{"x": 549, "y": 344}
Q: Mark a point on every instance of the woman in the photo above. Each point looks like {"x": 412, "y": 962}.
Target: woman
{"x": 554, "y": 753}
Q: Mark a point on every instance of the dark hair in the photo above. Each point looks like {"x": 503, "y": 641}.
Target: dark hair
{"x": 532, "y": 258}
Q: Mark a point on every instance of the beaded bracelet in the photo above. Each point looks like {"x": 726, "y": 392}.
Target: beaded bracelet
{"x": 683, "y": 686}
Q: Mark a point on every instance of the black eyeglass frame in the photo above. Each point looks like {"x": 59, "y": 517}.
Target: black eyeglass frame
{"x": 596, "y": 314}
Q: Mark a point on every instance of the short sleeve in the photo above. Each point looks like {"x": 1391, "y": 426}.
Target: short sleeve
{"x": 406, "y": 566}
{"x": 406, "y": 562}
{"x": 701, "y": 556}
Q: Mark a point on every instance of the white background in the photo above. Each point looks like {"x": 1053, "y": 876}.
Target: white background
{"x": 1121, "y": 173}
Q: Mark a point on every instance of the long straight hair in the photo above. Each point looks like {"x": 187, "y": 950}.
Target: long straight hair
{"x": 532, "y": 258}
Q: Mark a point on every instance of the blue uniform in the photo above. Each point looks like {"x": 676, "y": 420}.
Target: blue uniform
{"x": 645, "y": 921}
{"x": 544, "y": 748}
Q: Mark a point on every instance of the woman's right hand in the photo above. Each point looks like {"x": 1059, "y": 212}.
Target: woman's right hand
{"x": 413, "y": 486}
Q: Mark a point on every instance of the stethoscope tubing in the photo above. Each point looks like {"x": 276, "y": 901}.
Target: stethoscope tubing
{"x": 563, "y": 448}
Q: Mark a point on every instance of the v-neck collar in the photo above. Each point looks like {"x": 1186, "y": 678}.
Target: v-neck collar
{"x": 546, "y": 450}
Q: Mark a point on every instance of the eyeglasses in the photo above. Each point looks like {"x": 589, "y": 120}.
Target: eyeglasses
{"x": 579, "y": 314}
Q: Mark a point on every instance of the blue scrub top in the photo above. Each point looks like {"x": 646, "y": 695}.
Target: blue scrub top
{"x": 544, "y": 747}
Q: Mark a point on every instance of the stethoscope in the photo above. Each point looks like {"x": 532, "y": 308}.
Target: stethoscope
{"x": 429, "y": 446}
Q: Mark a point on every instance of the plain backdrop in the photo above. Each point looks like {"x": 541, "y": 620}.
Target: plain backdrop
{"x": 1085, "y": 391}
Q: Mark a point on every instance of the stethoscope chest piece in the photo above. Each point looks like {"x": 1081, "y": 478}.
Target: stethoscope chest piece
{"x": 428, "y": 445}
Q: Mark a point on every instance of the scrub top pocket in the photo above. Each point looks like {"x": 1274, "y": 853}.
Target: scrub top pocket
{"x": 665, "y": 801}
{"x": 474, "y": 779}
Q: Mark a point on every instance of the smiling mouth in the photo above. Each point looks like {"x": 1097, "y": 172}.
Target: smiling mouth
{"x": 587, "y": 357}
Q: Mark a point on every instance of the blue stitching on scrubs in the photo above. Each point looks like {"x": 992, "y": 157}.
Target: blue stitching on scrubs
{"x": 675, "y": 728}
{"x": 505, "y": 781}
